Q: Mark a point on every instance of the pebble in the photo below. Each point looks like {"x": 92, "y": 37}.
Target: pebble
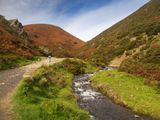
{"x": 136, "y": 116}
{"x": 2, "y": 83}
{"x": 92, "y": 117}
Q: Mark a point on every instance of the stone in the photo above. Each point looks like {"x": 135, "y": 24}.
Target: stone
{"x": 136, "y": 116}
{"x": 16, "y": 24}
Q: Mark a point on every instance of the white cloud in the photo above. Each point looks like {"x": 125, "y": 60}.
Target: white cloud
{"x": 85, "y": 25}
{"x": 29, "y": 11}
{"x": 90, "y": 24}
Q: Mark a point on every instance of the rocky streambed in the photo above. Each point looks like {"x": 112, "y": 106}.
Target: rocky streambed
{"x": 99, "y": 106}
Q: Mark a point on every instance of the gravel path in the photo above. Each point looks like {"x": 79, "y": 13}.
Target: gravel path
{"x": 9, "y": 79}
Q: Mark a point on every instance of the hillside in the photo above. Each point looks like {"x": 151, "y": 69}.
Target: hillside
{"x": 136, "y": 38}
{"x": 121, "y": 36}
{"x": 13, "y": 39}
{"x": 49, "y": 38}
{"x": 15, "y": 45}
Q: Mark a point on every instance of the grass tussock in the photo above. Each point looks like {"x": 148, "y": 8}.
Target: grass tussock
{"x": 129, "y": 91}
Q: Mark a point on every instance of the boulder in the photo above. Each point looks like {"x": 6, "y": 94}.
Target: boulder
{"x": 17, "y": 26}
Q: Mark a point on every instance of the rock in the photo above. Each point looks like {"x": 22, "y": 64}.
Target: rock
{"x": 92, "y": 117}
{"x": 2, "y": 83}
{"x": 136, "y": 116}
{"x": 2, "y": 18}
{"x": 17, "y": 26}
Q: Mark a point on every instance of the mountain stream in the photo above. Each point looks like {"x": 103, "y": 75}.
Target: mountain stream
{"x": 99, "y": 106}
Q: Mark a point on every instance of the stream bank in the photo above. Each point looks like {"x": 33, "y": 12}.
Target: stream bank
{"x": 99, "y": 106}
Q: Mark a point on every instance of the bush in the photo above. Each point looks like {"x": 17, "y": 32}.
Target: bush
{"x": 119, "y": 51}
{"x": 153, "y": 29}
{"x": 128, "y": 53}
{"x": 74, "y": 66}
{"x": 152, "y": 55}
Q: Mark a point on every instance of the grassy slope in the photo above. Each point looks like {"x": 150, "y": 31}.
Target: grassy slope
{"x": 129, "y": 91}
{"x": 126, "y": 35}
{"x": 49, "y": 95}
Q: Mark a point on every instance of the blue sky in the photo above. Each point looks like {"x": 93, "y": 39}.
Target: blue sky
{"x": 83, "y": 18}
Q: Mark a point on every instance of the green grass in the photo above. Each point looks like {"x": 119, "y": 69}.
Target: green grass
{"x": 48, "y": 96}
{"x": 11, "y": 61}
{"x": 91, "y": 68}
{"x": 129, "y": 91}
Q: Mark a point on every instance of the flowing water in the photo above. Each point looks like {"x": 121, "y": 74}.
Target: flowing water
{"x": 99, "y": 106}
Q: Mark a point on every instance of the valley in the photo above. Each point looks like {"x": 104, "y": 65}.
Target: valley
{"x": 46, "y": 73}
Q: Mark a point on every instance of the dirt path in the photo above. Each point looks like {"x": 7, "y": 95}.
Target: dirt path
{"x": 9, "y": 79}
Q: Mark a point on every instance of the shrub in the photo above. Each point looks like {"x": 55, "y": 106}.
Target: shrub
{"x": 74, "y": 66}
{"x": 128, "y": 53}
{"x": 119, "y": 51}
{"x": 153, "y": 29}
{"x": 148, "y": 70}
